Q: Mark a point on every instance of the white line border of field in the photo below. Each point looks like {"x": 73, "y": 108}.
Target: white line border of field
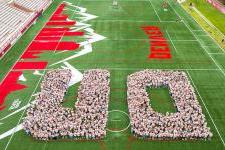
{"x": 184, "y": 22}
{"x": 9, "y": 141}
{"x": 191, "y": 78}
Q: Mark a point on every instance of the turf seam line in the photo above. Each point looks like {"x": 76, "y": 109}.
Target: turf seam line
{"x": 206, "y": 109}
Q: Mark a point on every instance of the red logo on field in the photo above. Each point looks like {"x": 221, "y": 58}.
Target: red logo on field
{"x": 159, "y": 47}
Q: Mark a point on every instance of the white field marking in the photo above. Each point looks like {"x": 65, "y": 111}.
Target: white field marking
{"x": 36, "y": 72}
{"x": 80, "y": 26}
{"x": 192, "y": 80}
{"x": 206, "y": 108}
{"x": 116, "y": 120}
{"x": 125, "y": 69}
{"x": 154, "y": 10}
{"x": 87, "y": 49}
{"x": 217, "y": 53}
{"x": 198, "y": 30}
{"x": 203, "y": 35}
{"x": 209, "y": 45}
{"x": 87, "y": 46}
{"x": 86, "y": 16}
{"x": 206, "y": 33}
{"x": 120, "y": 120}
{"x": 22, "y": 78}
{"x": 199, "y": 42}
{"x": 11, "y": 131}
{"x": 59, "y": 42}
{"x": 65, "y": 30}
{"x": 15, "y": 112}
{"x": 171, "y": 41}
{"x": 77, "y": 76}
{"x": 80, "y": 8}
{"x": 15, "y": 129}
{"x": 24, "y": 51}
{"x": 15, "y": 104}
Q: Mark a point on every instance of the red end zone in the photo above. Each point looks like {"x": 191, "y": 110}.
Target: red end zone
{"x": 48, "y": 39}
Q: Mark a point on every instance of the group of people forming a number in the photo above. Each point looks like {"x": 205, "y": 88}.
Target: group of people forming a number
{"x": 46, "y": 118}
{"x": 187, "y": 123}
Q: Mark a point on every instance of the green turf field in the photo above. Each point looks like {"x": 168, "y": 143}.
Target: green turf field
{"x": 125, "y": 51}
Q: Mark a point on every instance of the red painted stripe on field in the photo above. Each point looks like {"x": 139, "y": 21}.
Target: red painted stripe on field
{"x": 59, "y": 18}
{"x": 61, "y": 23}
{"x": 60, "y": 9}
{"x": 48, "y": 38}
{"x": 30, "y": 55}
{"x": 52, "y": 33}
{"x": 68, "y": 46}
{"x": 30, "y": 65}
{"x": 160, "y": 56}
{"x": 52, "y": 46}
{"x": 71, "y": 33}
{"x": 9, "y": 85}
{"x": 54, "y": 29}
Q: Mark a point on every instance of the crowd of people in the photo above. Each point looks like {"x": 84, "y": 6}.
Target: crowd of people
{"x": 187, "y": 123}
{"x": 47, "y": 119}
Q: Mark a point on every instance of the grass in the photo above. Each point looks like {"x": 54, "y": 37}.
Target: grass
{"x": 160, "y": 100}
{"x": 123, "y": 52}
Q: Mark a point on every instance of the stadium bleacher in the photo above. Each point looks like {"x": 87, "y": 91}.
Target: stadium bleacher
{"x": 17, "y": 16}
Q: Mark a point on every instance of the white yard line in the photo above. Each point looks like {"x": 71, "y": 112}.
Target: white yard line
{"x": 171, "y": 41}
{"x": 217, "y": 53}
{"x": 206, "y": 109}
{"x": 155, "y": 10}
{"x": 24, "y": 111}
